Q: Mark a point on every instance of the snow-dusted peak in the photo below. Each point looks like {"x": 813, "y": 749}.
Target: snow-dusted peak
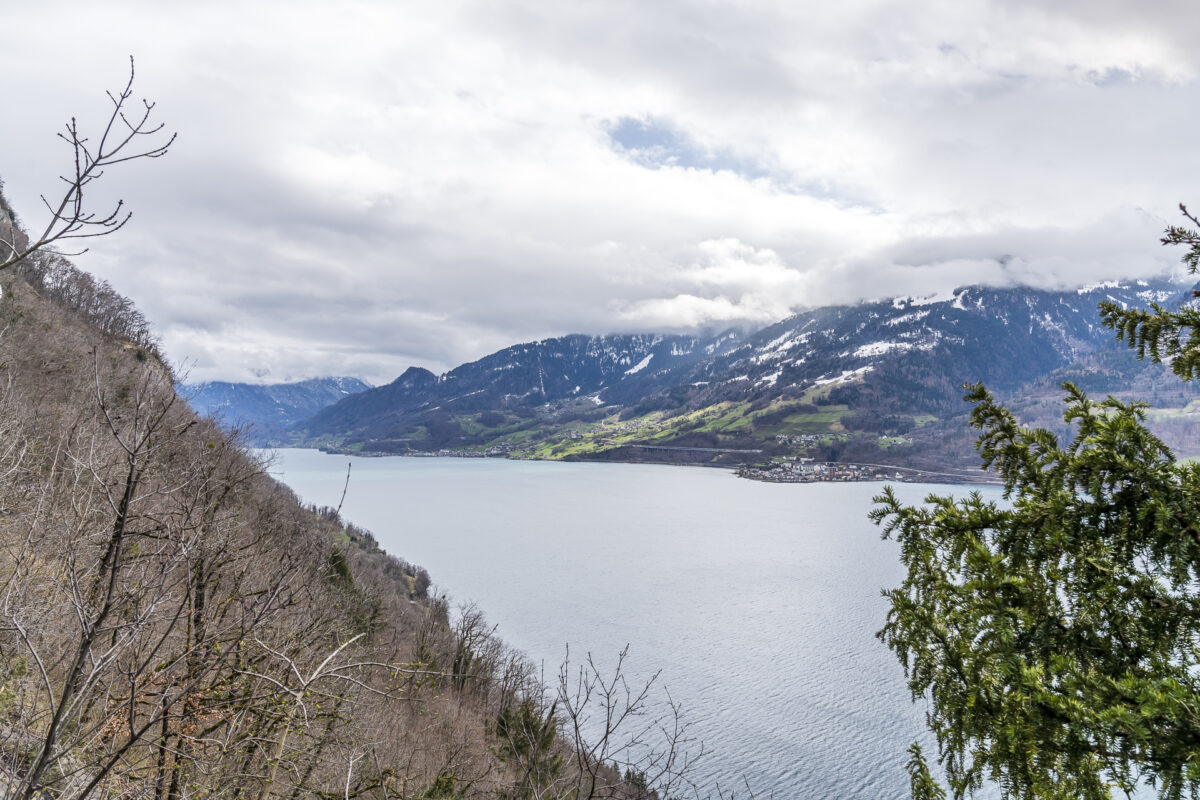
{"x": 954, "y": 297}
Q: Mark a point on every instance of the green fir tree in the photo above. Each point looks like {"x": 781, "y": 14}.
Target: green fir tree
{"x": 1057, "y": 637}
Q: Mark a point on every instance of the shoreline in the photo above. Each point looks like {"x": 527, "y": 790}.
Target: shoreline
{"x": 849, "y": 472}
{"x": 811, "y": 472}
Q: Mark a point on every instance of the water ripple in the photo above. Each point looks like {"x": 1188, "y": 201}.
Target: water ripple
{"x": 758, "y": 603}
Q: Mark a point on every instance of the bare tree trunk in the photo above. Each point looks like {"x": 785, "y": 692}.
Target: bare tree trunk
{"x": 106, "y": 582}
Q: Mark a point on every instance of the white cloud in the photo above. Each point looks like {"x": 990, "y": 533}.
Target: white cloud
{"x": 363, "y": 186}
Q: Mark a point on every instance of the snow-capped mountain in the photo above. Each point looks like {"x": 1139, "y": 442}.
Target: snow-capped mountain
{"x": 914, "y": 353}
{"x": 907, "y": 356}
{"x": 266, "y": 411}
{"x": 597, "y": 369}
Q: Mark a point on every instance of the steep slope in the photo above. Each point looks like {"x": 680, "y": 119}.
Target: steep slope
{"x": 176, "y": 624}
{"x": 150, "y": 566}
{"x": 265, "y": 412}
{"x": 913, "y": 354}
{"x": 1174, "y": 405}
{"x": 572, "y": 371}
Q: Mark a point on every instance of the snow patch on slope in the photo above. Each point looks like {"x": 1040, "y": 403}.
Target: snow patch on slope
{"x": 778, "y": 346}
{"x": 941, "y": 297}
{"x": 916, "y": 316}
{"x": 710, "y": 349}
{"x": 641, "y": 365}
{"x": 847, "y": 376}
{"x": 879, "y": 348}
{"x": 1151, "y": 296}
{"x": 1101, "y": 285}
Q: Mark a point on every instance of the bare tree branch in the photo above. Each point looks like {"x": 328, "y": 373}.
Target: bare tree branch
{"x": 126, "y": 136}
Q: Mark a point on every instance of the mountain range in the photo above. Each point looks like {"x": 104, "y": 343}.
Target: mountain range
{"x": 879, "y": 381}
{"x": 265, "y": 412}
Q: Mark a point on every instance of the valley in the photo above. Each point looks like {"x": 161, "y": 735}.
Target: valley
{"x": 879, "y": 383}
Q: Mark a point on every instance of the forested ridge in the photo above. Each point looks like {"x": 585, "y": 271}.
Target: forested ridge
{"x": 175, "y": 624}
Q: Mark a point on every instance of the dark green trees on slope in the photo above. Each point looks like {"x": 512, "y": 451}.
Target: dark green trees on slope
{"x": 1166, "y": 336}
{"x": 1058, "y": 640}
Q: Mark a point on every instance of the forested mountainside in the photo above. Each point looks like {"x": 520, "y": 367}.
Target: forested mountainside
{"x": 865, "y": 382}
{"x": 1174, "y": 405}
{"x": 176, "y": 624}
{"x": 263, "y": 413}
{"x": 592, "y": 370}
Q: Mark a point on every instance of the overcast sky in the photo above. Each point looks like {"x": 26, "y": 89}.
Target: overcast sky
{"x": 362, "y": 186}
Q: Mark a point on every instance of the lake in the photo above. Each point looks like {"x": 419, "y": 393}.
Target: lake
{"x": 758, "y": 602}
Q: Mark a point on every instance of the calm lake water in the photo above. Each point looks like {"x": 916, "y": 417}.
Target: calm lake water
{"x": 758, "y": 602}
